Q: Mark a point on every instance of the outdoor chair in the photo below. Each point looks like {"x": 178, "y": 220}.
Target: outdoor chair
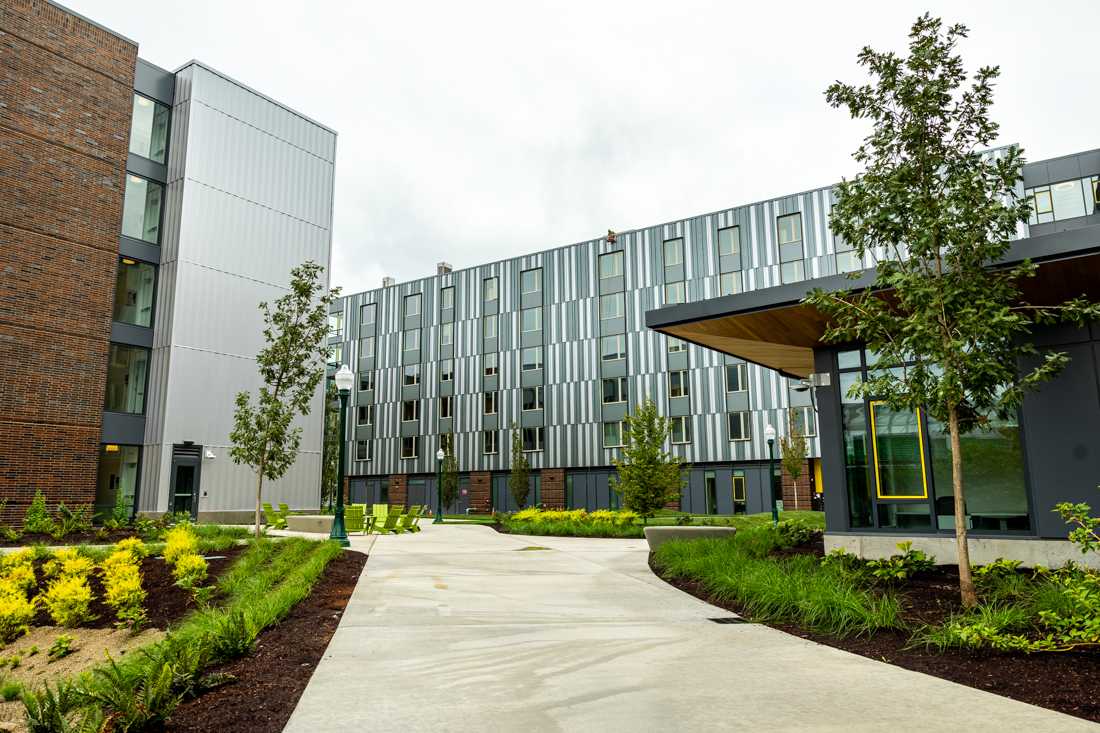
{"x": 387, "y": 524}
{"x": 353, "y": 518}
{"x": 284, "y": 512}
{"x": 408, "y": 519}
{"x": 272, "y": 518}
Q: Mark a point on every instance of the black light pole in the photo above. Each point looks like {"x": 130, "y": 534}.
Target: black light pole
{"x": 344, "y": 380}
{"x": 439, "y": 455}
{"x": 769, "y": 435}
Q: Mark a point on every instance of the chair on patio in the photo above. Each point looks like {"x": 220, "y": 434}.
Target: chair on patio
{"x": 284, "y": 511}
{"x": 385, "y": 521}
{"x": 353, "y": 518}
{"x": 409, "y": 519}
{"x": 273, "y": 519}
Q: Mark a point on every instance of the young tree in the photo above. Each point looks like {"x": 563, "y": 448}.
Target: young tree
{"x": 792, "y": 450}
{"x": 330, "y": 453}
{"x": 519, "y": 479}
{"x": 291, "y": 366}
{"x": 449, "y": 485}
{"x": 944, "y": 211}
{"x": 648, "y": 477}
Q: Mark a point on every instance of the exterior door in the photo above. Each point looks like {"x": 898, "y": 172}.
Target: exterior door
{"x": 184, "y": 482}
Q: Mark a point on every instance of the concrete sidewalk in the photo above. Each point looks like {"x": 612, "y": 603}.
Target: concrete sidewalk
{"x": 459, "y": 628}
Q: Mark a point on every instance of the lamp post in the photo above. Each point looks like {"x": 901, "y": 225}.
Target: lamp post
{"x": 344, "y": 379}
{"x": 439, "y": 455}
{"x": 769, "y": 435}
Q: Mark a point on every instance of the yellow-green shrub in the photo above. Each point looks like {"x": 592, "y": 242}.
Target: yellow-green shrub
{"x": 16, "y": 611}
{"x": 123, "y": 592}
{"x": 530, "y": 514}
{"x": 190, "y": 571}
{"x": 180, "y": 541}
{"x": 117, "y": 559}
{"x": 134, "y": 546}
{"x": 68, "y": 599}
{"x": 22, "y": 577}
{"x": 22, "y": 557}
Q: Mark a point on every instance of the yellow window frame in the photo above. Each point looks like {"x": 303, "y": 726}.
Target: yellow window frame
{"x": 874, "y": 446}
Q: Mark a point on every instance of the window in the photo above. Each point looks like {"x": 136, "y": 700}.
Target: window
{"x": 531, "y": 358}
{"x": 612, "y": 305}
{"x": 126, "y": 370}
{"x": 367, "y": 313}
{"x": 612, "y": 348}
{"x": 489, "y": 288}
{"x": 803, "y": 419}
{"x": 446, "y": 407}
{"x": 336, "y": 354}
{"x": 410, "y": 446}
{"x": 116, "y": 477}
{"x": 738, "y": 481}
{"x": 739, "y": 426}
{"x": 492, "y": 402}
{"x": 1058, "y": 201}
{"x": 675, "y": 345}
{"x": 735, "y": 378}
{"x": 410, "y": 410}
{"x": 366, "y": 347}
{"x": 134, "y": 292}
{"x": 729, "y": 241}
{"x": 789, "y": 234}
{"x": 847, "y": 259}
{"x": 366, "y": 381}
{"x": 447, "y": 370}
{"x": 141, "y": 209}
{"x": 411, "y": 376}
{"x": 897, "y": 442}
{"x": 336, "y": 325}
{"x": 614, "y": 390}
{"x": 532, "y": 398}
{"x": 447, "y": 298}
{"x": 530, "y": 281}
{"x": 364, "y": 415}
{"x": 729, "y": 283}
{"x": 446, "y": 334}
{"x": 613, "y": 435}
{"x": 490, "y": 362}
{"x": 489, "y": 444}
{"x": 532, "y": 439}
{"x": 412, "y": 305}
{"x": 674, "y": 252}
{"x": 411, "y": 340}
{"x": 489, "y": 327}
{"x": 675, "y": 292}
{"x": 364, "y": 450}
{"x": 611, "y": 265}
{"x": 678, "y": 383}
{"x": 531, "y": 319}
{"x": 149, "y": 129}
{"x": 680, "y": 429}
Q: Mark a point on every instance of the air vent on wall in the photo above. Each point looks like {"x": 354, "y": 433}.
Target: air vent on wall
{"x": 388, "y": 282}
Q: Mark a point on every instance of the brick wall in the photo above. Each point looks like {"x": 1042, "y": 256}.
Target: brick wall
{"x": 399, "y": 489}
{"x": 66, "y": 90}
{"x": 481, "y": 487}
{"x": 553, "y": 488}
{"x": 798, "y": 494}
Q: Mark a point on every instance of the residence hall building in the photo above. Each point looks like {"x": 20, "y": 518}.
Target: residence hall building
{"x": 886, "y": 474}
{"x": 145, "y": 214}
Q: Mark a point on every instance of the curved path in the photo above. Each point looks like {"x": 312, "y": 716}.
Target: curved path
{"x": 459, "y": 628}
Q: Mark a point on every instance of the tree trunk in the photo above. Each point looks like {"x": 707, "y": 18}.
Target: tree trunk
{"x": 259, "y": 495}
{"x": 966, "y": 582}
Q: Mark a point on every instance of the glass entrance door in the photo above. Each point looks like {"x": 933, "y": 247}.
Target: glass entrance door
{"x": 183, "y": 489}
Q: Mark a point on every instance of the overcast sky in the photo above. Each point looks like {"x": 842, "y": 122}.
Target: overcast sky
{"x": 473, "y": 131}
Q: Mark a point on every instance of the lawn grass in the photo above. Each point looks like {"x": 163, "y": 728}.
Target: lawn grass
{"x": 635, "y": 530}
{"x": 794, "y": 590}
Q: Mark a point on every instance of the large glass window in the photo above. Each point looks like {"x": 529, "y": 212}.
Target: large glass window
{"x": 729, "y": 283}
{"x": 366, "y": 381}
{"x": 530, "y": 281}
{"x": 612, "y": 348}
{"x": 364, "y": 450}
{"x": 411, "y": 340}
{"x": 612, "y": 305}
{"x": 531, "y": 319}
{"x": 149, "y": 129}
{"x": 804, "y": 422}
{"x": 898, "y": 444}
{"x": 446, "y": 334}
{"x": 126, "y": 370}
{"x": 491, "y": 403}
{"x": 489, "y": 327}
{"x": 675, "y": 345}
{"x": 847, "y": 259}
{"x": 1058, "y": 201}
{"x": 336, "y": 325}
{"x": 532, "y": 398}
{"x": 134, "y": 292}
{"x": 531, "y": 358}
{"x": 364, "y": 415}
{"x": 489, "y": 288}
{"x": 366, "y": 346}
{"x": 738, "y": 490}
{"x": 447, "y": 298}
{"x": 411, "y": 375}
{"x": 490, "y": 364}
{"x": 141, "y": 209}
{"x": 674, "y": 252}
{"x": 729, "y": 241}
{"x": 336, "y": 354}
{"x": 117, "y": 477}
{"x": 611, "y": 265}
{"x": 367, "y": 313}
{"x": 612, "y": 435}
{"x": 614, "y": 390}
{"x": 412, "y": 305}
{"x": 446, "y": 406}
{"x": 791, "y": 254}
{"x": 447, "y": 370}
{"x": 489, "y": 442}
{"x": 410, "y": 446}
{"x": 675, "y": 292}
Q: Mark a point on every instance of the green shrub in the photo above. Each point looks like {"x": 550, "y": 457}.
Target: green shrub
{"x": 134, "y": 697}
{"x": 901, "y": 567}
{"x": 56, "y": 709}
{"x": 71, "y": 521}
{"x": 189, "y": 571}
{"x": 573, "y": 523}
{"x": 234, "y": 634}
{"x": 37, "y": 519}
{"x": 62, "y": 647}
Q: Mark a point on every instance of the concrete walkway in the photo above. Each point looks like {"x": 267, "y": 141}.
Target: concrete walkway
{"x": 459, "y": 628}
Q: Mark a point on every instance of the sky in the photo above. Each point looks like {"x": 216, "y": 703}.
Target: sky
{"x": 475, "y": 131}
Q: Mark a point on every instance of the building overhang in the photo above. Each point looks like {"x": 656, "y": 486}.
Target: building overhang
{"x": 774, "y": 328}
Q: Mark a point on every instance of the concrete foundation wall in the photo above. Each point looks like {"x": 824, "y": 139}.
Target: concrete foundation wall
{"x": 983, "y": 550}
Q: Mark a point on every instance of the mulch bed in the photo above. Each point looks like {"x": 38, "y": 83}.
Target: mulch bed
{"x": 1064, "y": 681}
{"x": 95, "y": 537}
{"x": 270, "y": 679}
{"x": 165, "y": 602}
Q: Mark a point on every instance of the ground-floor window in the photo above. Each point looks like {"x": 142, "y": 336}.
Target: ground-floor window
{"x": 117, "y": 479}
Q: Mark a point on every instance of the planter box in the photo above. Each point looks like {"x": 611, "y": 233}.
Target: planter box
{"x": 319, "y": 523}
{"x": 657, "y": 536}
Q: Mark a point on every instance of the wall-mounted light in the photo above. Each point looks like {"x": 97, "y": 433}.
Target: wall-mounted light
{"x": 209, "y": 454}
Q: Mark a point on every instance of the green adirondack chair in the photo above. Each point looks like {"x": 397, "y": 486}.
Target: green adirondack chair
{"x": 353, "y": 518}
{"x": 408, "y": 519}
{"x": 387, "y": 524}
{"x": 284, "y": 512}
{"x": 273, "y": 519}
{"x": 368, "y": 518}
